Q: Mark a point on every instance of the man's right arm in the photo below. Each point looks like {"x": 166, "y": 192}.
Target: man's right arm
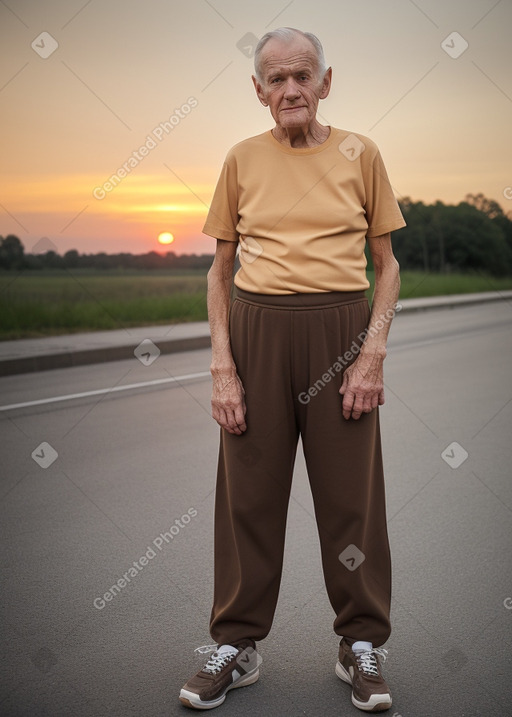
{"x": 228, "y": 402}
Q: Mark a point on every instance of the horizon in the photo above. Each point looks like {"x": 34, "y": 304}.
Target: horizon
{"x": 430, "y": 85}
{"x": 45, "y": 244}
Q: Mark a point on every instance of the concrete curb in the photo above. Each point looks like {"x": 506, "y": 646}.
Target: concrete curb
{"x": 67, "y": 359}
{"x": 30, "y": 355}
{"x": 451, "y": 302}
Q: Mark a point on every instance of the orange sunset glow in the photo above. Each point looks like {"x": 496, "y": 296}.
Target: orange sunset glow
{"x": 104, "y": 149}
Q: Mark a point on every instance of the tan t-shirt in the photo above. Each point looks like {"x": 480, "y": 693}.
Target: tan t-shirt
{"x": 302, "y": 215}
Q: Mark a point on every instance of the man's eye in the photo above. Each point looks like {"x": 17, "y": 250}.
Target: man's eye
{"x": 276, "y": 79}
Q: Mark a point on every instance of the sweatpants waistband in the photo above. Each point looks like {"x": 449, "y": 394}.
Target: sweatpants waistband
{"x": 300, "y": 301}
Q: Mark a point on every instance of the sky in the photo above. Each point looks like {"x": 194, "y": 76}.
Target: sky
{"x": 163, "y": 88}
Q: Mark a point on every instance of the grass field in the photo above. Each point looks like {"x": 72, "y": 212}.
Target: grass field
{"x": 43, "y": 304}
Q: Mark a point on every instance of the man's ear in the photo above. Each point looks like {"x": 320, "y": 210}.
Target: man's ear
{"x": 326, "y": 84}
{"x": 259, "y": 91}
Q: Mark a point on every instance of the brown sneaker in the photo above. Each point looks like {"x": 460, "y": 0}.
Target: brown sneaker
{"x": 228, "y": 667}
{"x": 361, "y": 669}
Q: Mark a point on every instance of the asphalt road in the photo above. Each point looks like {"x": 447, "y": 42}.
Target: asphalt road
{"x": 128, "y": 465}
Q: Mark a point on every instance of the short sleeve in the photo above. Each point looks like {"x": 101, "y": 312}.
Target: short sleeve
{"x": 222, "y": 219}
{"x": 382, "y": 211}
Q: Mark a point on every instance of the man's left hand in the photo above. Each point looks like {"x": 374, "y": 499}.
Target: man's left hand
{"x": 363, "y": 385}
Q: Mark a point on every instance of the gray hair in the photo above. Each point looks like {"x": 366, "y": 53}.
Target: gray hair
{"x": 288, "y": 34}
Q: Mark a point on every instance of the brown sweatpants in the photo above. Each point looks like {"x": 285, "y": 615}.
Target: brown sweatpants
{"x": 286, "y": 350}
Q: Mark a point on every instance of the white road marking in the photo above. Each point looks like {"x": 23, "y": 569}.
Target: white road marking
{"x": 392, "y": 348}
{"x": 100, "y": 391}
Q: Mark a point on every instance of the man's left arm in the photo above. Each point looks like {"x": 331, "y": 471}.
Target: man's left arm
{"x": 363, "y": 381}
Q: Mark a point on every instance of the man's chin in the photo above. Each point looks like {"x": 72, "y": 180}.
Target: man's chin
{"x": 293, "y": 118}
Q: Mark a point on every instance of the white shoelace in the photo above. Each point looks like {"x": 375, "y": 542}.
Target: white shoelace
{"x": 367, "y": 660}
{"x": 217, "y": 662}
{"x": 205, "y": 649}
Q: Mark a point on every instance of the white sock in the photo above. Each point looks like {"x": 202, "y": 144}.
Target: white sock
{"x": 362, "y": 645}
{"x": 226, "y": 648}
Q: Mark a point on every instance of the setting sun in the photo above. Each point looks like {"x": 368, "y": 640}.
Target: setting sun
{"x": 165, "y": 238}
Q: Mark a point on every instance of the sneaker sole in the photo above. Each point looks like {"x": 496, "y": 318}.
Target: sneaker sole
{"x": 376, "y": 703}
{"x": 191, "y": 699}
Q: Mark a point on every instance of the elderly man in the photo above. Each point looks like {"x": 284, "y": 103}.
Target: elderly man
{"x": 298, "y": 352}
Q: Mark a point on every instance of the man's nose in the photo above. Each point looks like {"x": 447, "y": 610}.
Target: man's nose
{"x": 291, "y": 90}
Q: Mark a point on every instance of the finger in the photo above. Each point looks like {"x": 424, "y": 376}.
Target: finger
{"x": 235, "y": 427}
{"x": 365, "y": 401}
{"x": 382, "y": 399}
{"x": 357, "y": 408}
{"x": 370, "y": 402}
{"x": 232, "y": 426}
{"x": 239, "y": 413}
{"x": 216, "y": 413}
{"x": 222, "y": 418}
{"x": 241, "y": 427}
{"x": 234, "y": 431}
{"x": 348, "y": 402}
{"x": 367, "y": 407}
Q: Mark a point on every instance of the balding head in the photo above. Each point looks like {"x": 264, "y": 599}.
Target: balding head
{"x": 287, "y": 35}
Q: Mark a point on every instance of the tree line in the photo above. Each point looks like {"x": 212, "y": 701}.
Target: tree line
{"x": 472, "y": 236}
{"x": 13, "y": 257}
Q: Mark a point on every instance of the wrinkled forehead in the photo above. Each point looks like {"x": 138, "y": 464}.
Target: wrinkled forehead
{"x": 299, "y": 54}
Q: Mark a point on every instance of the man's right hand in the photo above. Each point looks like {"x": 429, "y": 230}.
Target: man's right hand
{"x": 228, "y": 401}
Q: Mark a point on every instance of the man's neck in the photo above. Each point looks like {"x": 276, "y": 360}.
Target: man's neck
{"x": 300, "y": 137}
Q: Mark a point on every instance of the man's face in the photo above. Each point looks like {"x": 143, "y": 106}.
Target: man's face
{"x": 290, "y": 84}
